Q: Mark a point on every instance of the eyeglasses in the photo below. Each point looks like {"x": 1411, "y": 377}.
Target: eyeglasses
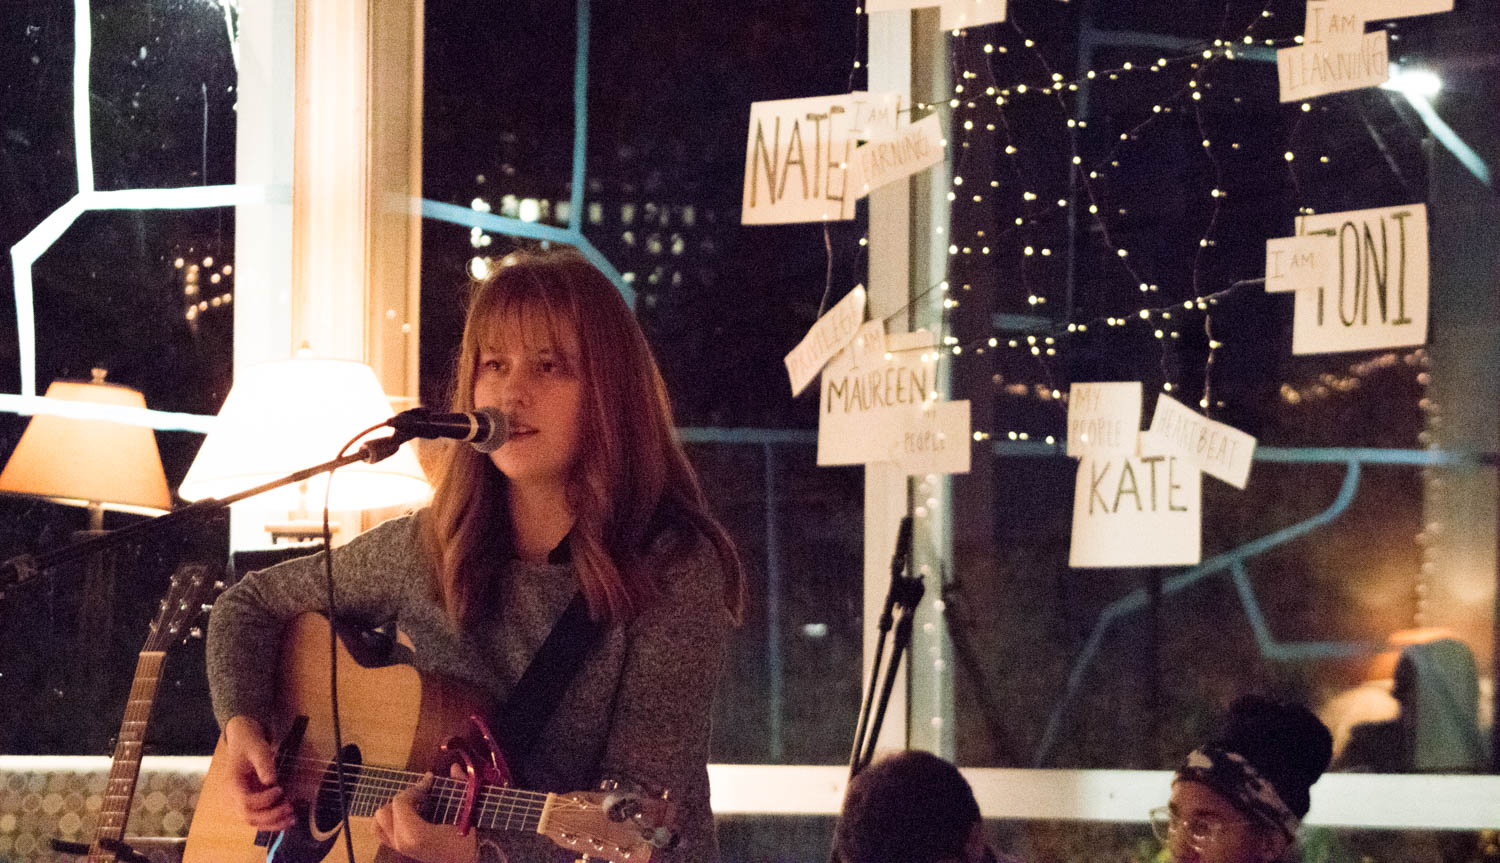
{"x": 1200, "y": 831}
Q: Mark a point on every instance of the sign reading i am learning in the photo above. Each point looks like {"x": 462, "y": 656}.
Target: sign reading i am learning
{"x": 887, "y": 159}
{"x": 1379, "y": 297}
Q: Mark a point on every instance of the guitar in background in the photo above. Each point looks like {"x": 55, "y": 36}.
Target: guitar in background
{"x": 191, "y": 588}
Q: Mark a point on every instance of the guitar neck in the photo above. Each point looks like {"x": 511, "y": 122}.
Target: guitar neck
{"x": 125, "y": 768}
{"x": 495, "y": 807}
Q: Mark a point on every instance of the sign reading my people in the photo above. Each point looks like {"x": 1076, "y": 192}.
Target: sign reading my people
{"x": 797, "y": 151}
{"x": 1378, "y": 299}
{"x": 1104, "y": 418}
{"x": 1136, "y": 511}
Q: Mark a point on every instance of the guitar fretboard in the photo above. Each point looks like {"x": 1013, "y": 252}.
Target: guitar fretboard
{"x": 495, "y": 808}
{"x": 126, "y": 766}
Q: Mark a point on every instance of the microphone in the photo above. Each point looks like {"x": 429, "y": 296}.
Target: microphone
{"x": 485, "y": 429}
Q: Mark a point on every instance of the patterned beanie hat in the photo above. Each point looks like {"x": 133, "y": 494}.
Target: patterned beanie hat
{"x": 1266, "y": 761}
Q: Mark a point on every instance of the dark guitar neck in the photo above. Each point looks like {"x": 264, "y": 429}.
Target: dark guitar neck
{"x": 125, "y": 768}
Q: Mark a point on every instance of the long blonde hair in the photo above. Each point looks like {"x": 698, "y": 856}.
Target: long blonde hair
{"x": 631, "y": 480}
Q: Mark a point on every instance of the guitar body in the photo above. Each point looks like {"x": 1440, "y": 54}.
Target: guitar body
{"x": 391, "y": 716}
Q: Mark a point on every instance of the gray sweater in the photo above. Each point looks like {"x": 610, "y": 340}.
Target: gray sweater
{"x": 638, "y": 708}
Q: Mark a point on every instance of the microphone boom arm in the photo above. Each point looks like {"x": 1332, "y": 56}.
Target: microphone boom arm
{"x": 23, "y": 567}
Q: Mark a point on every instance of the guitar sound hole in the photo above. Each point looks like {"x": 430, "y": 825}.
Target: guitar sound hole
{"x": 326, "y": 813}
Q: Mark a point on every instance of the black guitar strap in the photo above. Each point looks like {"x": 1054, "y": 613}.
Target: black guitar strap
{"x": 536, "y": 695}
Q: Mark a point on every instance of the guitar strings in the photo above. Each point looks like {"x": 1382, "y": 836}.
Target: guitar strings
{"x": 373, "y": 786}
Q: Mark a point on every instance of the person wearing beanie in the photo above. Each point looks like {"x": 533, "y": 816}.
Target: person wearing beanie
{"x": 1241, "y": 798}
{"x": 911, "y": 807}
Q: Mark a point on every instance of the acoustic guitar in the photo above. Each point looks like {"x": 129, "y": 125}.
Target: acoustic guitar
{"x": 396, "y": 725}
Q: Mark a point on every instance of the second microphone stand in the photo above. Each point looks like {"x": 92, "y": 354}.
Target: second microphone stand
{"x": 901, "y": 600}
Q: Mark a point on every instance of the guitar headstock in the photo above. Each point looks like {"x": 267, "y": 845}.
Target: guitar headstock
{"x": 193, "y": 584}
{"x": 608, "y": 825}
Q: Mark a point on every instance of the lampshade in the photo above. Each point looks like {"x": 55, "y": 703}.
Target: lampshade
{"x": 282, "y": 417}
{"x": 90, "y": 462}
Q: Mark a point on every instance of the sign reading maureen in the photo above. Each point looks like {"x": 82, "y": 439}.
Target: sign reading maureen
{"x": 1378, "y": 298}
{"x": 884, "y": 407}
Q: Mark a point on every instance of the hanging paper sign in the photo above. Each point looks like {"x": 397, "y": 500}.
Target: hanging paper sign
{"x": 1103, "y": 418}
{"x": 1217, "y": 449}
{"x": 1299, "y": 263}
{"x": 884, "y": 160}
{"x": 1334, "y": 22}
{"x": 827, "y": 337}
{"x": 1378, "y": 298}
{"x": 1136, "y": 511}
{"x": 1377, "y": 10}
{"x": 1306, "y": 71}
{"x": 936, "y": 440}
{"x": 794, "y": 158}
{"x": 958, "y": 14}
{"x": 866, "y": 409}
{"x": 955, "y": 14}
{"x": 868, "y": 344}
{"x": 875, "y": 114}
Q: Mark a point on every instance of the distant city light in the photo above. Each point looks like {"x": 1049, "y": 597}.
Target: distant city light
{"x": 1414, "y": 82}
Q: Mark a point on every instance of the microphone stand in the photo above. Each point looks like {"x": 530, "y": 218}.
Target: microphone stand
{"x": 23, "y": 567}
{"x": 903, "y": 597}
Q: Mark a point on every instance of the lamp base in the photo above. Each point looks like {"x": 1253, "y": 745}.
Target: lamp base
{"x": 298, "y": 532}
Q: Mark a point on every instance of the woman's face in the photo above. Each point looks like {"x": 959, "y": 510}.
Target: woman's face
{"x": 534, "y": 380}
{"x": 1206, "y": 828}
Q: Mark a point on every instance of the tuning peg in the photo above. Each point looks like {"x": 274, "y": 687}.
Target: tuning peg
{"x": 664, "y": 838}
{"x": 622, "y": 807}
{"x": 195, "y": 632}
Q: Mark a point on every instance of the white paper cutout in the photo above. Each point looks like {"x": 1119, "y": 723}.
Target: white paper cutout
{"x": 884, "y": 160}
{"x": 828, "y": 335}
{"x": 795, "y": 154}
{"x": 1379, "y": 297}
{"x": 1136, "y": 511}
{"x": 936, "y": 440}
{"x": 1104, "y": 418}
{"x": 1217, "y": 449}
{"x": 864, "y": 410}
{"x": 1299, "y": 263}
{"x": 1306, "y": 71}
{"x": 955, "y": 14}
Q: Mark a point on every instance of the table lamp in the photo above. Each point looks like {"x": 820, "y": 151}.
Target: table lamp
{"x": 281, "y": 417}
{"x": 92, "y": 463}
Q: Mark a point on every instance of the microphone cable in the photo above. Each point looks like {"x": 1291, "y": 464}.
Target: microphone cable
{"x": 333, "y": 651}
